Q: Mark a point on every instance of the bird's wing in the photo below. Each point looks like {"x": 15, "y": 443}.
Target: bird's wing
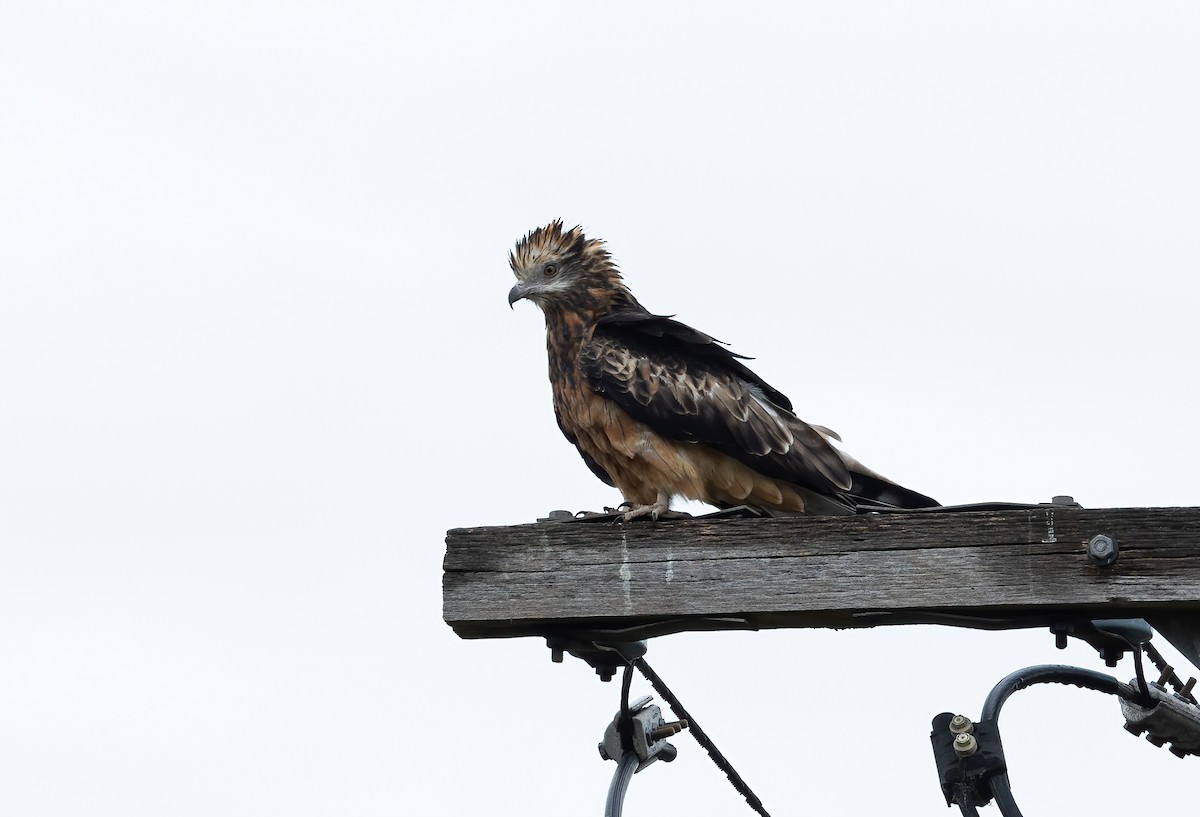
{"x": 685, "y": 385}
{"x": 595, "y": 467}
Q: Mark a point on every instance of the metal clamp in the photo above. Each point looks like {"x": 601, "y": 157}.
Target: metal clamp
{"x": 1170, "y": 718}
{"x": 968, "y": 756}
{"x": 647, "y": 736}
{"x": 1111, "y": 637}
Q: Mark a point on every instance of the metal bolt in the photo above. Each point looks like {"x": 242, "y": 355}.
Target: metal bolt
{"x": 667, "y": 729}
{"x": 961, "y": 724}
{"x": 1063, "y": 499}
{"x": 965, "y": 745}
{"x": 1102, "y": 550}
{"x": 561, "y": 516}
{"x": 557, "y": 645}
{"x": 603, "y": 752}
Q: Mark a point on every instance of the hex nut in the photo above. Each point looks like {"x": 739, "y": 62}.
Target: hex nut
{"x": 1102, "y": 550}
{"x": 961, "y": 724}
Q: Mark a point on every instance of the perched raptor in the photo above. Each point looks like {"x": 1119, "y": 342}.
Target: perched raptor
{"x": 658, "y": 409}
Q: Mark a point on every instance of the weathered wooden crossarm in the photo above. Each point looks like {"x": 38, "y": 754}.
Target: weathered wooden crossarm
{"x": 1007, "y": 568}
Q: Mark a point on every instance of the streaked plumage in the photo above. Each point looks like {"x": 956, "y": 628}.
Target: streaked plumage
{"x": 658, "y": 409}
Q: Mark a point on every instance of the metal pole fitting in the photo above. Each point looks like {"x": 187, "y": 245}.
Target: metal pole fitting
{"x": 1102, "y": 550}
{"x": 961, "y": 724}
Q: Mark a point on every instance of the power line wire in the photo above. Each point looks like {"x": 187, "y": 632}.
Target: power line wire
{"x": 701, "y": 736}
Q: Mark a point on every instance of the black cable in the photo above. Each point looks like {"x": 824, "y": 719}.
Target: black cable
{"x": 1140, "y": 671}
{"x": 965, "y": 806}
{"x": 1004, "y": 796}
{"x": 1023, "y": 678}
{"x": 703, "y": 739}
{"x": 1047, "y": 674}
{"x": 626, "y": 766}
{"x": 625, "y": 724}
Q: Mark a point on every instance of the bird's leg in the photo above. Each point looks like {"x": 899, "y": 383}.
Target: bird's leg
{"x": 661, "y": 509}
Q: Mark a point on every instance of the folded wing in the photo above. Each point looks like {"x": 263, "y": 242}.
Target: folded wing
{"x": 686, "y": 386}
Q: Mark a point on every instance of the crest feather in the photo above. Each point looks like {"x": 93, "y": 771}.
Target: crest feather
{"x": 568, "y": 246}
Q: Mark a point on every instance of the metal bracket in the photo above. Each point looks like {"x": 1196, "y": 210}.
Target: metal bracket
{"x": 1170, "y": 718}
{"x": 648, "y": 735}
{"x": 968, "y": 756}
{"x": 603, "y": 656}
{"x": 1111, "y": 637}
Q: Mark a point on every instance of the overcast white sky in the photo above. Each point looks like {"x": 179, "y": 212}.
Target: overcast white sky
{"x": 255, "y": 359}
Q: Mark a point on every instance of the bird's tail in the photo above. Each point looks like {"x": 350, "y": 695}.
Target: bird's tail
{"x": 872, "y": 490}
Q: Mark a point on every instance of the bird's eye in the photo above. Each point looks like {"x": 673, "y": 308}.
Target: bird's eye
{"x": 550, "y": 270}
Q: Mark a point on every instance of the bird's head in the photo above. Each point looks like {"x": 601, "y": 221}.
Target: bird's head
{"x": 561, "y": 269}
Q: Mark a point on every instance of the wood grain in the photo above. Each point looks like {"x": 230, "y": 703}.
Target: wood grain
{"x": 1025, "y": 567}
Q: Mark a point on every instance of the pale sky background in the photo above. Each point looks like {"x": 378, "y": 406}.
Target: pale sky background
{"x": 255, "y": 359}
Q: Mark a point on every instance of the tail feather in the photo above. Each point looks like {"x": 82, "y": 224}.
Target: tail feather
{"x": 872, "y": 489}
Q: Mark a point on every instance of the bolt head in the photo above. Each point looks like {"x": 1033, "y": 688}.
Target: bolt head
{"x": 960, "y": 724}
{"x": 965, "y": 744}
{"x": 1102, "y": 549}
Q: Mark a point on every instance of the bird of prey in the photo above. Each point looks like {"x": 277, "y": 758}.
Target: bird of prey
{"x": 659, "y": 410}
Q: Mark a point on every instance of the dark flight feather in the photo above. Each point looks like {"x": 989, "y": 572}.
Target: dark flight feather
{"x": 689, "y": 387}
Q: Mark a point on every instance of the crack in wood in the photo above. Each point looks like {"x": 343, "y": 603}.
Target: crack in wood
{"x": 819, "y": 571}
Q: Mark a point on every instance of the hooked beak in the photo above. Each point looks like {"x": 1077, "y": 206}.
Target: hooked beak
{"x": 515, "y": 294}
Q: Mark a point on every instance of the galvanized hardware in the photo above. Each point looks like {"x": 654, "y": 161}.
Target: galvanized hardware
{"x": 1111, "y": 637}
{"x": 647, "y": 722}
{"x": 668, "y": 729}
{"x": 557, "y": 516}
{"x": 1168, "y": 677}
{"x": 604, "y": 656}
{"x": 1169, "y": 718}
{"x": 1114, "y": 636}
{"x": 965, "y": 744}
{"x": 961, "y": 724}
{"x": 1102, "y": 550}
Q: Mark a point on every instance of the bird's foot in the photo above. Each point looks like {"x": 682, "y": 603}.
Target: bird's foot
{"x": 659, "y": 510}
